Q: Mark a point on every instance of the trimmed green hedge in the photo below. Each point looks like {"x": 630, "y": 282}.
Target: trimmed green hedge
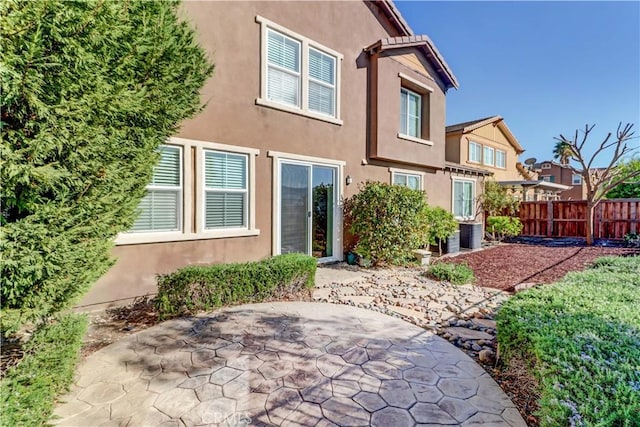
{"x": 29, "y": 389}
{"x": 200, "y": 288}
{"x": 582, "y": 336}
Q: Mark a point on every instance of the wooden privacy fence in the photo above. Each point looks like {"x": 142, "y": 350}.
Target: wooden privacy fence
{"x": 568, "y": 218}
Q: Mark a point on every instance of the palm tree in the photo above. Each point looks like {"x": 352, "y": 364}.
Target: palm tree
{"x": 563, "y": 152}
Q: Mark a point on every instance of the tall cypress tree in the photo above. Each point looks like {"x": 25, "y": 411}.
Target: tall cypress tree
{"x": 89, "y": 91}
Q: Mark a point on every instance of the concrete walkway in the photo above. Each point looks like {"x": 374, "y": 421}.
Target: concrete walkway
{"x": 289, "y": 364}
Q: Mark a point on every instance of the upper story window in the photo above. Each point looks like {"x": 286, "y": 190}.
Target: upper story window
{"x": 161, "y": 208}
{"x": 488, "y": 156}
{"x": 576, "y": 179}
{"x": 299, "y": 75}
{"x": 322, "y": 82}
{"x": 410, "y": 113}
{"x": 475, "y": 152}
{"x": 413, "y": 181}
{"x": 283, "y": 70}
{"x": 501, "y": 159}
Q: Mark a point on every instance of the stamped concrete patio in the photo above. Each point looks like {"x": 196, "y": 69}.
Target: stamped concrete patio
{"x": 289, "y": 364}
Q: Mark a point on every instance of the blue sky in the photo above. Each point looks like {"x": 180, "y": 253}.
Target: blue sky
{"x": 546, "y": 67}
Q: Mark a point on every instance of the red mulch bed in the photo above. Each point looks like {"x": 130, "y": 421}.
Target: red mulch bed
{"x": 507, "y": 265}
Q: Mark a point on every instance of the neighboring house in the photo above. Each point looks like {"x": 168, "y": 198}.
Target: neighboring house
{"x": 307, "y": 100}
{"x": 488, "y": 143}
{"x": 563, "y": 174}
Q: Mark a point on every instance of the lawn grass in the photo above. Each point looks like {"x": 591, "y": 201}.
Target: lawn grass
{"x": 582, "y": 337}
{"x": 29, "y": 389}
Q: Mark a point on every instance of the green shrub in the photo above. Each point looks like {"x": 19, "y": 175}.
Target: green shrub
{"x": 440, "y": 225}
{"x": 582, "y": 336}
{"x": 503, "y": 226}
{"x": 496, "y": 200}
{"x": 388, "y": 221}
{"x": 89, "y": 89}
{"x": 458, "y": 274}
{"x": 200, "y": 288}
{"x": 28, "y": 389}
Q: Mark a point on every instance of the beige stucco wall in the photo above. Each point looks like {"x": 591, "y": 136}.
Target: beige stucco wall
{"x": 488, "y": 135}
{"x": 231, "y": 36}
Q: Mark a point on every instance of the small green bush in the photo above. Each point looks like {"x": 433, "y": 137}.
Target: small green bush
{"x": 440, "y": 225}
{"x": 388, "y": 221}
{"x": 503, "y": 226}
{"x": 458, "y": 274}
{"x": 200, "y": 288}
{"x": 582, "y": 337}
{"x": 29, "y": 389}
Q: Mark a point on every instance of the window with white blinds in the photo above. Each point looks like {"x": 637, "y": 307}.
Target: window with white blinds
{"x": 160, "y": 209}
{"x": 225, "y": 190}
{"x": 463, "y": 199}
{"x": 283, "y": 69}
{"x": 322, "y": 82}
{"x": 299, "y": 73}
{"x": 412, "y": 181}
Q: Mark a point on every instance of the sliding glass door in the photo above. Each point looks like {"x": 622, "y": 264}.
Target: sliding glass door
{"x": 308, "y": 202}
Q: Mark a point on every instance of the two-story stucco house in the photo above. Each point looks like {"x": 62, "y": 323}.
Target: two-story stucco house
{"x": 308, "y": 99}
{"x": 488, "y": 143}
{"x": 560, "y": 173}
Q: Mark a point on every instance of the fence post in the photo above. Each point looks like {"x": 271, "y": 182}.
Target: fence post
{"x": 549, "y": 218}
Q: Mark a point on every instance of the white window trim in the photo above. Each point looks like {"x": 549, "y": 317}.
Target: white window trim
{"x": 453, "y": 197}
{"x": 306, "y": 43}
{"x": 180, "y": 193}
{"x": 495, "y": 158}
{"x": 420, "y": 175}
{"x": 188, "y": 192}
{"x": 415, "y": 82}
{"x": 419, "y": 129}
{"x": 279, "y": 157}
{"x": 203, "y": 212}
{"x": 493, "y": 155}
{"x": 573, "y": 179}
{"x": 414, "y": 139}
{"x": 469, "y": 152}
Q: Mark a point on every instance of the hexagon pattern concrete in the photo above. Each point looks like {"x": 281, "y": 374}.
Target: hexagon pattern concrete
{"x": 288, "y": 364}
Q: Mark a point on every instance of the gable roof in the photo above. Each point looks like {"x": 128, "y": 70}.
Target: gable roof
{"x": 467, "y": 127}
{"x": 427, "y": 47}
{"x": 408, "y": 39}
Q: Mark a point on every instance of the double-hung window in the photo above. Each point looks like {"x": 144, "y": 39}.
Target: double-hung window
{"x": 225, "y": 190}
{"x": 488, "y": 156}
{"x": 199, "y": 190}
{"x": 322, "y": 82}
{"x": 463, "y": 198}
{"x": 161, "y": 208}
{"x": 501, "y": 159}
{"x": 283, "y": 69}
{"x": 412, "y": 181}
{"x": 475, "y": 152}
{"x": 410, "y": 113}
{"x": 299, "y": 75}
